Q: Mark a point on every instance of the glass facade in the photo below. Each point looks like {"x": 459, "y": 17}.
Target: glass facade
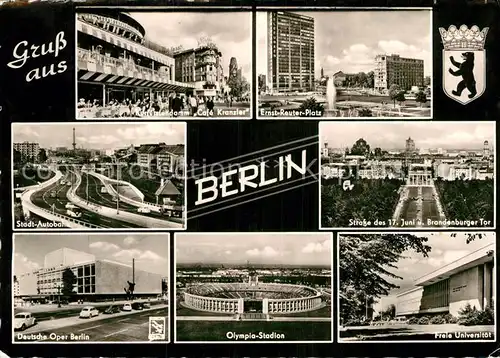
{"x": 50, "y": 281}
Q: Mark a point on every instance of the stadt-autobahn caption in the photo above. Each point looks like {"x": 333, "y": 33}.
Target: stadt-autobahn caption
{"x": 253, "y": 287}
{"x": 334, "y": 64}
{"x": 99, "y": 175}
{"x": 90, "y": 288}
{"x": 164, "y": 65}
{"x": 408, "y": 175}
{"x": 425, "y": 286}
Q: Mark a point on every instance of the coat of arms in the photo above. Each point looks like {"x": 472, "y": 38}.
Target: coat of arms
{"x": 464, "y": 62}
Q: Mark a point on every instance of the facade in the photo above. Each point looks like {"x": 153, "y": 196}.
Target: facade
{"x": 468, "y": 280}
{"x": 117, "y": 62}
{"x": 28, "y": 150}
{"x": 393, "y": 69}
{"x": 254, "y": 298}
{"x": 162, "y": 157}
{"x": 202, "y": 69}
{"x": 94, "y": 278}
{"x": 290, "y": 52}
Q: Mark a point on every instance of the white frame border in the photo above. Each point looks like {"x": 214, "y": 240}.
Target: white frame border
{"x": 169, "y": 274}
{"x": 354, "y": 228}
{"x": 155, "y": 9}
{"x": 101, "y": 230}
{"x": 233, "y": 234}
{"x": 265, "y": 9}
{"x": 448, "y": 341}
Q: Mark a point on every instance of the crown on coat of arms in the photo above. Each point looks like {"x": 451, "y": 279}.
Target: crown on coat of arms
{"x": 463, "y": 37}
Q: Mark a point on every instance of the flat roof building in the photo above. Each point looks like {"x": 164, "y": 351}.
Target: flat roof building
{"x": 95, "y": 278}
{"x": 290, "y": 52}
{"x": 468, "y": 280}
{"x": 395, "y": 70}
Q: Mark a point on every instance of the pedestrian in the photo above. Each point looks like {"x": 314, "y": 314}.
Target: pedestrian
{"x": 210, "y": 106}
{"x": 177, "y": 105}
{"x": 193, "y": 102}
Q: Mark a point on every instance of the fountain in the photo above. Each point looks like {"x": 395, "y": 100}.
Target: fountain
{"x": 331, "y": 97}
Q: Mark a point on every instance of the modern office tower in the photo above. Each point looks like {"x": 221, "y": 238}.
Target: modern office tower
{"x": 290, "y": 52}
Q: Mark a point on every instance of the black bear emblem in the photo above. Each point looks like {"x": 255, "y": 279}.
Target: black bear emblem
{"x": 466, "y": 70}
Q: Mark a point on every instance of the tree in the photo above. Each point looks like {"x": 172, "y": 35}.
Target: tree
{"x": 400, "y": 97}
{"x": 365, "y": 112}
{"x": 238, "y": 86}
{"x": 427, "y": 81}
{"x": 394, "y": 91}
{"x": 371, "y": 79}
{"x": 361, "y": 147}
{"x": 377, "y": 152}
{"x": 18, "y": 158}
{"x": 42, "y": 156}
{"x": 312, "y": 107}
{"x": 68, "y": 281}
{"x": 389, "y": 313}
{"x": 421, "y": 98}
{"x": 365, "y": 261}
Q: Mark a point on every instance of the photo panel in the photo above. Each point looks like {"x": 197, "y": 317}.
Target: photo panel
{"x": 253, "y": 287}
{"x": 90, "y": 288}
{"x": 99, "y": 176}
{"x": 403, "y": 175}
{"x": 144, "y": 64}
{"x": 344, "y": 63}
{"x": 416, "y": 287}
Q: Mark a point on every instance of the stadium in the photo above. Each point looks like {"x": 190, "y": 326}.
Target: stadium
{"x": 252, "y": 297}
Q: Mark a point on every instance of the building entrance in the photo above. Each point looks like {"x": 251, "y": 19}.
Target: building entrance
{"x": 254, "y": 306}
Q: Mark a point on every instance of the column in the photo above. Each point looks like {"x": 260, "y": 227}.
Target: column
{"x": 265, "y": 308}
{"x": 487, "y": 290}
{"x": 103, "y": 95}
{"x": 240, "y": 305}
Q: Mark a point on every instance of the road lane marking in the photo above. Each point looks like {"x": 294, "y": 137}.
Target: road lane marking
{"x": 125, "y": 319}
{"x": 85, "y": 329}
{"x": 117, "y": 332}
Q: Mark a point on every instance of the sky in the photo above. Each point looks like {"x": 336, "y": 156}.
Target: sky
{"x": 232, "y": 32}
{"x": 262, "y": 248}
{"x": 99, "y": 135}
{"x": 392, "y": 135}
{"x": 348, "y": 41}
{"x": 150, "y": 251}
{"x": 445, "y": 249}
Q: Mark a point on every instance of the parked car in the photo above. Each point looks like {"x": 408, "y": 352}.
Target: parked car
{"x": 53, "y": 194}
{"x": 112, "y": 309}
{"x": 89, "y": 312}
{"x": 137, "y": 306}
{"x": 146, "y": 305}
{"x": 127, "y": 307}
{"x": 144, "y": 210}
{"x": 23, "y": 320}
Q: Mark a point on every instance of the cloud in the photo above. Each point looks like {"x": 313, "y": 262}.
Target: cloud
{"x": 26, "y": 263}
{"x": 140, "y": 255}
{"x": 267, "y": 251}
{"x": 129, "y": 241}
{"x": 447, "y": 257}
{"x": 228, "y": 252}
{"x": 361, "y": 58}
{"x": 317, "y": 247}
{"x": 104, "y": 246}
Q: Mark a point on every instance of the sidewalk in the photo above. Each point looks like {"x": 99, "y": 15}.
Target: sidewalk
{"x": 76, "y": 320}
{"x": 71, "y": 306}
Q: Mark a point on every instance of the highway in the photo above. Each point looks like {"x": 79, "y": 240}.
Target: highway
{"x": 104, "y": 199}
{"x": 105, "y": 328}
{"x": 43, "y": 198}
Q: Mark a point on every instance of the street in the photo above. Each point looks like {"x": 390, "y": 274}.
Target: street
{"x": 104, "y": 328}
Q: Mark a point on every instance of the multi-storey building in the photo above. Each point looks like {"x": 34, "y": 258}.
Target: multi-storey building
{"x": 290, "y": 52}
{"x": 28, "y": 150}
{"x": 94, "y": 279}
{"x": 202, "y": 69}
{"x": 116, "y": 61}
{"x": 395, "y": 70}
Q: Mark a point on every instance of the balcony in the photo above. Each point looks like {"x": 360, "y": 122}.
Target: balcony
{"x": 121, "y": 69}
